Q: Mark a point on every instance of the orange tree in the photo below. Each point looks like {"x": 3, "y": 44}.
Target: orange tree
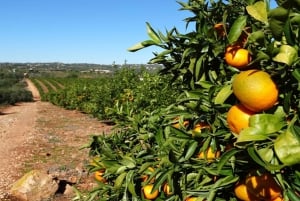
{"x": 261, "y": 161}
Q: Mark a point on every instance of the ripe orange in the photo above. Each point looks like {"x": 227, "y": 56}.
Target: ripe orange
{"x": 220, "y": 29}
{"x": 179, "y": 125}
{"x": 278, "y": 199}
{"x": 238, "y": 118}
{"x": 166, "y": 189}
{"x": 191, "y": 199}
{"x": 209, "y": 155}
{"x": 237, "y": 57}
{"x": 148, "y": 194}
{"x": 264, "y": 186}
{"x": 258, "y": 187}
{"x": 255, "y": 90}
{"x": 94, "y": 161}
{"x": 99, "y": 176}
{"x": 146, "y": 176}
{"x": 198, "y": 127}
{"x": 243, "y": 193}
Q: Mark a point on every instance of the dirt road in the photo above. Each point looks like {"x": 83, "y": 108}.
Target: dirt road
{"x": 39, "y": 135}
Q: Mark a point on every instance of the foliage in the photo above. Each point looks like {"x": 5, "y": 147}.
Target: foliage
{"x": 196, "y": 61}
{"x": 117, "y": 97}
{"x": 12, "y": 88}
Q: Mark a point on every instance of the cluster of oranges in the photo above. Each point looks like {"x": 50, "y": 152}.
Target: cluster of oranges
{"x": 255, "y": 90}
{"x": 209, "y": 155}
{"x": 147, "y": 189}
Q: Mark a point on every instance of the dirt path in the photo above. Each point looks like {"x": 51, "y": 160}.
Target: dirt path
{"x": 39, "y": 135}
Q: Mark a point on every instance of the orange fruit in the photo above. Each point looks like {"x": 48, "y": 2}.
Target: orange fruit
{"x": 258, "y": 187}
{"x": 220, "y": 29}
{"x": 166, "y": 189}
{"x": 278, "y": 199}
{"x": 179, "y": 124}
{"x": 148, "y": 194}
{"x": 209, "y": 155}
{"x": 238, "y": 118}
{"x": 255, "y": 90}
{"x": 198, "y": 127}
{"x": 99, "y": 176}
{"x": 241, "y": 192}
{"x": 264, "y": 186}
{"x": 191, "y": 199}
{"x": 146, "y": 176}
{"x": 237, "y": 57}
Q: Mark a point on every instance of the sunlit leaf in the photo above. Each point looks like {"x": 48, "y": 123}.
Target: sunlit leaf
{"x": 287, "y": 148}
{"x": 266, "y": 153}
{"x": 267, "y": 123}
{"x": 287, "y": 54}
{"x": 141, "y": 45}
{"x": 152, "y": 34}
{"x": 258, "y": 11}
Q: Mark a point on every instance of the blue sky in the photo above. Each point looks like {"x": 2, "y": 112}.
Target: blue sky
{"x": 82, "y": 31}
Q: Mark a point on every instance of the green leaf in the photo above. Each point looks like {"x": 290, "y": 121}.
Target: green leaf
{"x": 119, "y": 180}
{"x": 267, "y": 123}
{"x": 141, "y": 45}
{"x": 225, "y": 157}
{"x": 257, "y": 37}
{"x": 292, "y": 195}
{"x": 223, "y": 94}
{"x": 250, "y": 134}
{"x": 254, "y": 155}
{"x": 260, "y": 127}
{"x": 266, "y": 153}
{"x": 258, "y": 11}
{"x": 287, "y": 55}
{"x": 162, "y": 178}
{"x": 191, "y": 149}
{"x": 296, "y": 74}
{"x": 236, "y": 29}
{"x": 198, "y": 67}
{"x": 277, "y": 20}
{"x": 295, "y": 19}
{"x": 152, "y": 34}
{"x": 130, "y": 183}
{"x": 128, "y": 162}
{"x": 287, "y": 148}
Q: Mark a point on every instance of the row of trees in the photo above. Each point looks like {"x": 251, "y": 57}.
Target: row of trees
{"x": 13, "y": 88}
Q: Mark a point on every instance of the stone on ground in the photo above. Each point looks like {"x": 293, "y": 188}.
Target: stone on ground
{"x": 34, "y": 186}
